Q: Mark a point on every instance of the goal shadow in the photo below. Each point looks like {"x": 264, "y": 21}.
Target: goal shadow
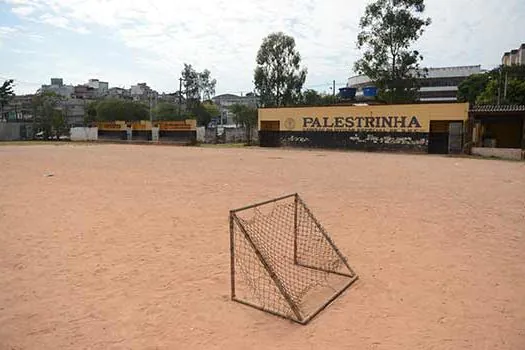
{"x": 283, "y": 261}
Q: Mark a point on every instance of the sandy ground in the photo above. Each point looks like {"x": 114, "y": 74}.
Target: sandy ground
{"x": 127, "y": 247}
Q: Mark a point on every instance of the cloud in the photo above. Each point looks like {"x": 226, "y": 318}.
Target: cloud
{"x": 24, "y": 52}
{"x": 224, "y": 35}
{"x": 23, "y": 10}
{"x": 6, "y": 32}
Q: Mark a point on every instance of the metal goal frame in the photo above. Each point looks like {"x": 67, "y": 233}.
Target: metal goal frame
{"x": 297, "y": 316}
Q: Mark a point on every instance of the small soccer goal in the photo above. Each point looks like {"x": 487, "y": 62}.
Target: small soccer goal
{"x": 283, "y": 261}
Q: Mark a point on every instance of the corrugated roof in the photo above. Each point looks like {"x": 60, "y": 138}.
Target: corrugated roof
{"x": 498, "y": 108}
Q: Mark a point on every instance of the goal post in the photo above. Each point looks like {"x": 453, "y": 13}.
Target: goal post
{"x": 283, "y": 261}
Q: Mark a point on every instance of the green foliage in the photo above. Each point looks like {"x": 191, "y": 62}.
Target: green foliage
{"x": 59, "y": 125}
{"x": 114, "y": 109}
{"x": 313, "y": 98}
{"x": 246, "y": 117}
{"x": 197, "y": 85}
{"x": 515, "y": 91}
{"x": 202, "y": 114}
{"x": 278, "y": 76}
{"x": 388, "y": 30}
{"x": 504, "y": 85}
{"x": 6, "y": 94}
{"x": 489, "y": 95}
{"x": 472, "y": 87}
{"x": 90, "y": 113}
{"x": 169, "y": 111}
{"x": 211, "y": 108}
{"x": 207, "y": 85}
{"x": 191, "y": 83}
{"x": 48, "y": 116}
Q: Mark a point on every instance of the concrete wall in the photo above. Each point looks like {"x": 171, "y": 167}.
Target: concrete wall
{"x": 155, "y": 134}
{"x": 210, "y": 135}
{"x": 201, "y": 132}
{"x": 229, "y": 135}
{"x": 9, "y": 131}
{"x": 16, "y": 131}
{"x": 83, "y": 134}
{"x": 238, "y": 135}
{"x": 503, "y": 153}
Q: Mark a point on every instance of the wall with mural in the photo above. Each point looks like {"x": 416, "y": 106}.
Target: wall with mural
{"x": 403, "y": 127}
{"x": 144, "y": 130}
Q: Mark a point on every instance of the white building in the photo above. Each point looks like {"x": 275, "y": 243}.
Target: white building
{"x": 141, "y": 91}
{"x": 438, "y": 85}
{"x": 57, "y": 86}
{"x": 514, "y": 57}
{"x": 101, "y": 87}
{"x": 118, "y": 92}
{"x": 225, "y": 101}
{"x": 75, "y": 111}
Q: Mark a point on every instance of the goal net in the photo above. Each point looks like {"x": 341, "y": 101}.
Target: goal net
{"x": 283, "y": 261}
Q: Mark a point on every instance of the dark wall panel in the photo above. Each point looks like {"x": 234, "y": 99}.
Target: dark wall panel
{"x": 371, "y": 141}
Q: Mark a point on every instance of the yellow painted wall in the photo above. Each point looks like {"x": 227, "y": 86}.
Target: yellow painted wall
{"x": 370, "y": 118}
{"x": 142, "y": 125}
{"x": 188, "y": 124}
{"x": 146, "y": 125}
{"x": 112, "y": 126}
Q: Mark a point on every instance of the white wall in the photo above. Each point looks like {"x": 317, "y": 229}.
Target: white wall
{"x": 83, "y": 134}
{"x": 155, "y": 134}
{"x": 503, "y": 153}
{"x": 201, "y": 131}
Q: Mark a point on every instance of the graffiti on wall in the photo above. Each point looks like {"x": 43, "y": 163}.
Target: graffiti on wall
{"x": 389, "y": 140}
{"x": 295, "y": 139}
{"x": 357, "y": 139}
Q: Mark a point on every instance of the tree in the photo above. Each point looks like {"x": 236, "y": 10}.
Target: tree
{"x": 313, "y": 98}
{"x": 58, "y": 122}
{"x": 212, "y": 108}
{"x": 6, "y": 94}
{"x": 191, "y": 83}
{"x": 168, "y": 111}
{"x": 48, "y": 116}
{"x": 470, "y": 88}
{"x": 90, "y": 113}
{"x": 489, "y": 95}
{"x": 388, "y": 30}
{"x": 246, "y": 117}
{"x": 114, "y": 109}
{"x": 278, "y": 76}
{"x": 207, "y": 85}
{"x": 202, "y": 114}
{"x": 198, "y": 85}
{"x": 515, "y": 91}
{"x": 504, "y": 85}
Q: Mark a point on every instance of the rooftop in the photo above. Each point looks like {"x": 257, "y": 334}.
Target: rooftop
{"x": 432, "y": 72}
{"x": 497, "y": 108}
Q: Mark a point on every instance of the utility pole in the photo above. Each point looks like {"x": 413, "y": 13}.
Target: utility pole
{"x": 499, "y": 85}
{"x": 506, "y": 84}
{"x": 334, "y": 91}
{"x": 180, "y": 96}
{"x": 150, "y": 115}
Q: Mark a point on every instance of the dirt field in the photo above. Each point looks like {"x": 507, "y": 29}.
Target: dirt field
{"x": 127, "y": 247}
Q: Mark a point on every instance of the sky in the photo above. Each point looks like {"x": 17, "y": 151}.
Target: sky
{"x": 126, "y": 42}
